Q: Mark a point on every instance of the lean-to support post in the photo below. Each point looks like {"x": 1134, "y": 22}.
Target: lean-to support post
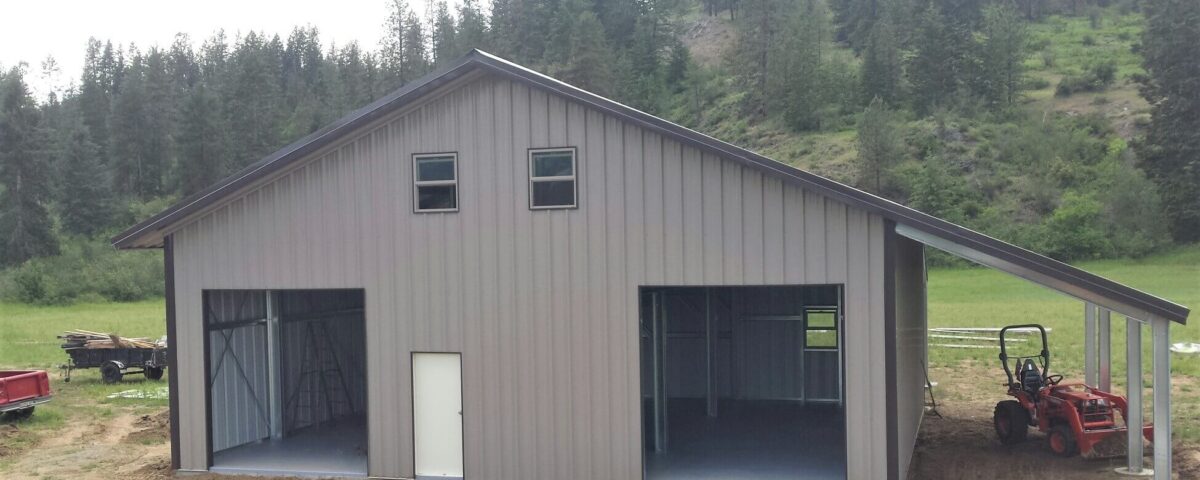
{"x": 1160, "y": 329}
{"x": 274, "y": 373}
{"x": 1089, "y": 343}
{"x": 1133, "y": 360}
{"x": 710, "y": 339}
{"x": 1104, "y": 350}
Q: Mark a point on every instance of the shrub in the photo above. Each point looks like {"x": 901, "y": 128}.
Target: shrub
{"x": 1073, "y": 231}
{"x": 1089, "y": 41}
{"x": 1036, "y": 83}
{"x": 86, "y": 269}
{"x": 1098, "y": 77}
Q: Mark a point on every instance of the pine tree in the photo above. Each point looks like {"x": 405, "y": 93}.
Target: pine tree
{"x": 416, "y": 58}
{"x": 25, "y": 225}
{"x": 881, "y": 64}
{"x": 443, "y": 37}
{"x": 939, "y": 62}
{"x": 879, "y": 149}
{"x": 472, "y": 27}
{"x": 1170, "y": 152}
{"x": 131, "y": 165}
{"x": 86, "y": 202}
{"x": 581, "y": 55}
{"x": 253, "y": 100}
{"x": 95, "y": 97}
{"x": 201, "y": 142}
{"x": 1002, "y": 53}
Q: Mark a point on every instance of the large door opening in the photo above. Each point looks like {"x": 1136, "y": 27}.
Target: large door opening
{"x": 287, "y": 388}
{"x": 742, "y": 382}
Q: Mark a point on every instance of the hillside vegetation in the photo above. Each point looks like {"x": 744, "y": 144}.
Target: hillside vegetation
{"x": 1024, "y": 120}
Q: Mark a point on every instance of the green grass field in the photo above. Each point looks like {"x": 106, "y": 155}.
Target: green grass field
{"x": 976, "y": 297}
{"x": 27, "y": 342}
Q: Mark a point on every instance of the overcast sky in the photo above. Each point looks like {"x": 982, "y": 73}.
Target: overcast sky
{"x": 33, "y": 29}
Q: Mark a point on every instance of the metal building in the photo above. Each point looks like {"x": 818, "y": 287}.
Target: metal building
{"x": 491, "y": 274}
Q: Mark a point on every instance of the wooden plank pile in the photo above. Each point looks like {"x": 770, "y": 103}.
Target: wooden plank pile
{"x": 88, "y": 339}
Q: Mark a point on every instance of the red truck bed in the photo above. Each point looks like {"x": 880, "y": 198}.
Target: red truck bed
{"x": 22, "y": 389}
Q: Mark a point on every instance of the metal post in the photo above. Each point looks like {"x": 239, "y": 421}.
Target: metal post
{"x": 710, "y": 354}
{"x": 1104, "y": 352}
{"x": 660, "y": 410}
{"x": 1089, "y": 343}
{"x": 1160, "y": 329}
{"x": 274, "y": 374}
{"x": 1133, "y": 360}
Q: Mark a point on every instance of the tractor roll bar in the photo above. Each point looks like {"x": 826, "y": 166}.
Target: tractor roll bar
{"x": 1004, "y": 352}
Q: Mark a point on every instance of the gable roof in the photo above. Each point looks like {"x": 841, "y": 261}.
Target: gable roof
{"x": 911, "y": 223}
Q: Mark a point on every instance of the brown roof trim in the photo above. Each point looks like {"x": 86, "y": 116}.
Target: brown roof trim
{"x": 477, "y": 59}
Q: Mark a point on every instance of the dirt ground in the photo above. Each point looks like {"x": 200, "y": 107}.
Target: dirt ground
{"x": 962, "y": 443}
{"x": 959, "y": 445}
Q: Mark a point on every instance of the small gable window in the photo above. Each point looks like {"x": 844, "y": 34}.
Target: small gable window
{"x": 552, "y": 175}
{"x": 435, "y": 185}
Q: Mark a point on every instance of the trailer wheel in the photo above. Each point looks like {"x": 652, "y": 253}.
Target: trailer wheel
{"x": 154, "y": 373}
{"x": 110, "y": 372}
{"x": 1011, "y": 422}
{"x": 1062, "y": 441}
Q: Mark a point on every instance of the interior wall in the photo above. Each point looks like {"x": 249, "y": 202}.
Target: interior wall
{"x": 308, "y": 320}
{"x": 911, "y": 345}
{"x": 755, "y": 359}
{"x": 237, "y": 319}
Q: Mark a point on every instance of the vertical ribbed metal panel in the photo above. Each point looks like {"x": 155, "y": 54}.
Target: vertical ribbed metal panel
{"x": 542, "y": 304}
{"x": 911, "y": 345}
{"x": 238, "y": 365}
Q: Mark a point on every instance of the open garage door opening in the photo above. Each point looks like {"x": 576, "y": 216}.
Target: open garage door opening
{"x": 286, "y": 382}
{"x": 742, "y": 382}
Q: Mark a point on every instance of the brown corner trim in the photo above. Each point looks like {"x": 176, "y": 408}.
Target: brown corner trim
{"x": 172, "y": 348}
{"x": 889, "y": 347}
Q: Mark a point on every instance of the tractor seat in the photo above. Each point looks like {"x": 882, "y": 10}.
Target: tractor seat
{"x": 1031, "y": 378}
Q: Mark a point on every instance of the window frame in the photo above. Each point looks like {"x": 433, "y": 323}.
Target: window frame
{"x": 836, "y": 328}
{"x": 417, "y": 183}
{"x": 573, "y": 178}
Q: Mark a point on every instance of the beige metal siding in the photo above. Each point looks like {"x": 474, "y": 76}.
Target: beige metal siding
{"x": 911, "y": 345}
{"x": 542, "y": 304}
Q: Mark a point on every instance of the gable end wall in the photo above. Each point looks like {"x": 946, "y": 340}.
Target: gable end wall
{"x": 542, "y": 304}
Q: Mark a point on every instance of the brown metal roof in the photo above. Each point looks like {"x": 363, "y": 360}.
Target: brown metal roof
{"x": 1002, "y": 255}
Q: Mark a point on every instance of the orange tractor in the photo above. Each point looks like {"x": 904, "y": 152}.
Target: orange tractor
{"x": 1076, "y": 417}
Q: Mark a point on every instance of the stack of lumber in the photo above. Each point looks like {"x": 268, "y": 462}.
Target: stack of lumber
{"x": 87, "y": 339}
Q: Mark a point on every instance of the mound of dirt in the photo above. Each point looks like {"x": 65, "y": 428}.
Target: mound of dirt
{"x": 155, "y": 470}
{"x": 1187, "y": 460}
{"x": 149, "y": 429}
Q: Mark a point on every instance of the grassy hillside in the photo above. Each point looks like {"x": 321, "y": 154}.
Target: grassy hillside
{"x": 1059, "y": 46}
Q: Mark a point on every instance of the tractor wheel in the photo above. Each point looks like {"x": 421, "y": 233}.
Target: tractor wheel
{"x": 1011, "y": 422}
{"x": 1061, "y": 440}
{"x": 110, "y": 372}
{"x": 154, "y": 373}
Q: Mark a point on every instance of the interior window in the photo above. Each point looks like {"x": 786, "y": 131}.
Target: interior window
{"x": 820, "y": 328}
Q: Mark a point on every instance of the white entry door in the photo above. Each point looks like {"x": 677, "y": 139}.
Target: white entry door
{"x": 437, "y": 414}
